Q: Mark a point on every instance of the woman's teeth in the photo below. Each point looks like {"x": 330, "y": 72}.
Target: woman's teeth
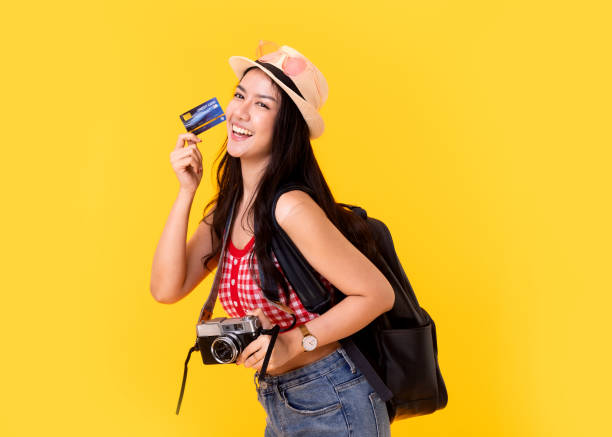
{"x": 241, "y": 131}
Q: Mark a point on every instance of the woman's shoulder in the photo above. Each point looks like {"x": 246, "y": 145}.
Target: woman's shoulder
{"x": 293, "y": 202}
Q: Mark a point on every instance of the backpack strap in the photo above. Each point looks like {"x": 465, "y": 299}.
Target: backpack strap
{"x": 366, "y": 368}
{"x": 300, "y": 274}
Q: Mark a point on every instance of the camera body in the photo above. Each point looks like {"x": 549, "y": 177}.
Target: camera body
{"x": 221, "y": 340}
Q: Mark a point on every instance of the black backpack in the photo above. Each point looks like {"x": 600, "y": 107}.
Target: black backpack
{"x": 397, "y": 352}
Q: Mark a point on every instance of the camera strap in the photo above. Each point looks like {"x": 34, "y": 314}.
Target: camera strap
{"x": 274, "y": 334}
{"x": 274, "y": 331}
{"x": 193, "y": 348}
{"x": 209, "y": 305}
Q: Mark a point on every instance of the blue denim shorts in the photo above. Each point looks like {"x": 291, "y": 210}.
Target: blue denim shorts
{"x": 329, "y": 397}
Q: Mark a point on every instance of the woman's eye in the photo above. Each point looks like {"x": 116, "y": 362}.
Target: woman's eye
{"x": 237, "y": 94}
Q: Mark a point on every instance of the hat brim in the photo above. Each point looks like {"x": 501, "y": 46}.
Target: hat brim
{"x": 315, "y": 123}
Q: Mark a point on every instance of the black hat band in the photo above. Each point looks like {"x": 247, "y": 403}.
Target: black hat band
{"x": 280, "y": 75}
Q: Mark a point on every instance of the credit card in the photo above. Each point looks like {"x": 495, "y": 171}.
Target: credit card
{"x": 203, "y": 117}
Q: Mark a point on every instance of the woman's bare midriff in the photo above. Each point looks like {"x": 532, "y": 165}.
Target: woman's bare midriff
{"x": 305, "y": 358}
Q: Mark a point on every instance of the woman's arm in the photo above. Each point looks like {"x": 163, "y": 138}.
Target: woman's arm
{"x": 177, "y": 268}
{"x": 368, "y": 292}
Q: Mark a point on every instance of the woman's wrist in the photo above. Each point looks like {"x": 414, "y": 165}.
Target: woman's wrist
{"x": 186, "y": 193}
{"x": 292, "y": 340}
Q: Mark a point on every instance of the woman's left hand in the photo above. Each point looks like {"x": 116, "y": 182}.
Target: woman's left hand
{"x": 253, "y": 355}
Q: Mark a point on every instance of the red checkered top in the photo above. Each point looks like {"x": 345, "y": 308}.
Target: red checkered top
{"x": 239, "y": 292}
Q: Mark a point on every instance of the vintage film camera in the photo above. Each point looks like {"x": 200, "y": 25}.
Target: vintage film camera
{"x": 221, "y": 340}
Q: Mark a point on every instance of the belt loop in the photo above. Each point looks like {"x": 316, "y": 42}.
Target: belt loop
{"x": 260, "y": 385}
{"x": 347, "y": 359}
{"x": 255, "y": 380}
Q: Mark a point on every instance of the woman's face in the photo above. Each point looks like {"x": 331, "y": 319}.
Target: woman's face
{"x": 253, "y": 107}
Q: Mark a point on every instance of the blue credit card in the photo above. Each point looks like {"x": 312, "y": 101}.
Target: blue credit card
{"x": 203, "y": 117}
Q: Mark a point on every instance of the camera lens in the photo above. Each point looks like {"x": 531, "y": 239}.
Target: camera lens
{"x": 225, "y": 349}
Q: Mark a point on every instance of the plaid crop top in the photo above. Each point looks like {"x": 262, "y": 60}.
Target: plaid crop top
{"x": 239, "y": 292}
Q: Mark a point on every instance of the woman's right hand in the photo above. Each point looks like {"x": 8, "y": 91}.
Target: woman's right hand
{"x": 186, "y": 162}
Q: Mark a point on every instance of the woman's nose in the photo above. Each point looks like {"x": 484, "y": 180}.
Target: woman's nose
{"x": 243, "y": 110}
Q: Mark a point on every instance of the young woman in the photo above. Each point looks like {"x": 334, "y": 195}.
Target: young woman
{"x": 312, "y": 388}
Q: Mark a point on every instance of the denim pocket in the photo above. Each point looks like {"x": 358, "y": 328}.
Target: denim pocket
{"x": 311, "y": 398}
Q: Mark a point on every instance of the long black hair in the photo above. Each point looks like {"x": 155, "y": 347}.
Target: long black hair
{"x": 292, "y": 159}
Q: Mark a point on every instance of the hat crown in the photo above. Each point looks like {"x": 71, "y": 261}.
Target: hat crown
{"x": 306, "y": 76}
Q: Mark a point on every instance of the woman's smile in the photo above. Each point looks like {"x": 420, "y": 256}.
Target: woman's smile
{"x": 239, "y": 133}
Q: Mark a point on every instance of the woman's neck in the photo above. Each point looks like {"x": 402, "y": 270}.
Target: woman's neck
{"x": 252, "y": 172}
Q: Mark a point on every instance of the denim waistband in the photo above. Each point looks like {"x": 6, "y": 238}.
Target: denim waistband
{"x": 308, "y": 372}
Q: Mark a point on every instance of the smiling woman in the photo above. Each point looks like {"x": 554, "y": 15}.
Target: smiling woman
{"x": 312, "y": 386}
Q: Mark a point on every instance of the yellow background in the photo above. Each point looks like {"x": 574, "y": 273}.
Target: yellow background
{"x": 479, "y": 131}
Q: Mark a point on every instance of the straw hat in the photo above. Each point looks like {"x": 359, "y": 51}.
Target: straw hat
{"x": 295, "y": 74}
